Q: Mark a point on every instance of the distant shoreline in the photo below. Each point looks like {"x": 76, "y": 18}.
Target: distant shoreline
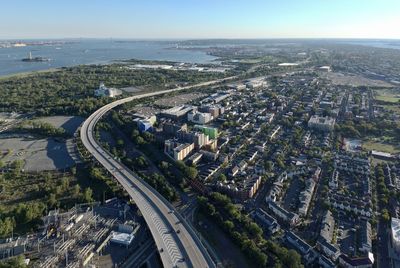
{"x": 69, "y": 54}
{"x": 29, "y": 73}
{"x": 105, "y": 51}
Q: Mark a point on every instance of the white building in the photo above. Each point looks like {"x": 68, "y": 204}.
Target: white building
{"x": 256, "y": 83}
{"x": 321, "y": 123}
{"x": 395, "y": 238}
{"x": 122, "y": 238}
{"x": 325, "y": 68}
{"x": 199, "y": 118}
{"x": 334, "y": 180}
{"x": 104, "y": 91}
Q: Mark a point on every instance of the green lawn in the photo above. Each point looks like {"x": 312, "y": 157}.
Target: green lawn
{"x": 258, "y": 60}
{"x": 387, "y": 98}
{"x": 387, "y": 95}
{"x": 27, "y": 74}
{"x": 393, "y": 108}
{"x": 382, "y": 147}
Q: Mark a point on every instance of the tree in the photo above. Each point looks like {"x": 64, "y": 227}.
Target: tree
{"x": 220, "y": 199}
{"x": 164, "y": 165}
{"x": 139, "y": 140}
{"x": 147, "y": 136}
{"x": 15, "y": 262}
{"x": 221, "y": 177}
{"x": 87, "y": 195}
{"x": 280, "y": 163}
{"x": 254, "y": 230}
{"x": 134, "y": 134}
{"x": 76, "y": 191}
{"x": 73, "y": 170}
{"x": 52, "y": 201}
{"x": 17, "y": 167}
{"x": 210, "y": 209}
{"x": 229, "y": 225}
{"x": 191, "y": 172}
{"x": 254, "y": 253}
{"x": 26, "y": 213}
{"x": 65, "y": 181}
{"x": 6, "y": 226}
{"x": 120, "y": 143}
{"x": 268, "y": 166}
{"x": 293, "y": 259}
{"x": 385, "y": 215}
{"x": 141, "y": 162}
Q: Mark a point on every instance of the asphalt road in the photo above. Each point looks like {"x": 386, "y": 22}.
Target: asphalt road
{"x": 177, "y": 243}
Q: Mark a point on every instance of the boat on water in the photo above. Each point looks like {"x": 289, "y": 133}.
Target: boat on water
{"x": 35, "y": 59}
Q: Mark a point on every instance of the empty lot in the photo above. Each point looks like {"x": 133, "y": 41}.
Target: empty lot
{"x": 41, "y": 154}
{"x": 38, "y": 154}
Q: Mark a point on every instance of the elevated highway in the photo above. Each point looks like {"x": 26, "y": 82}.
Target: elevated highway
{"x": 177, "y": 243}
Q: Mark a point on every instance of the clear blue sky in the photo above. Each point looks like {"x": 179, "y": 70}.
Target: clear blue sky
{"x": 200, "y": 18}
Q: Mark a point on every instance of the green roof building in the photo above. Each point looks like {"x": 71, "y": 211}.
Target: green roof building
{"x": 209, "y": 131}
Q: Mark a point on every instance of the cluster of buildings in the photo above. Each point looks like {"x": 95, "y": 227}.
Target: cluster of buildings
{"x": 325, "y": 241}
{"x": 351, "y": 167}
{"x": 306, "y": 195}
{"x": 273, "y": 200}
{"x": 358, "y": 105}
{"x": 266, "y": 221}
{"x": 182, "y": 66}
{"x": 227, "y": 136}
{"x": 241, "y": 188}
{"x": 289, "y": 217}
{"x": 307, "y": 251}
{"x": 350, "y": 195}
{"x": 275, "y": 195}
{"x": 191, "y": 133}
{"x": 352, "y": 163}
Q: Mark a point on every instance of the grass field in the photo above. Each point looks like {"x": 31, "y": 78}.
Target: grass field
{"x": 393, "y": 108}
{"x": 382, "y": 147}
{"x": 27, "y": 74}
{"x": 387, "y": 95}
{"x": 258, "y": 60}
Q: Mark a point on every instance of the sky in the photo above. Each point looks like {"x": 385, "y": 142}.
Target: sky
{"x": 198, "y": 19}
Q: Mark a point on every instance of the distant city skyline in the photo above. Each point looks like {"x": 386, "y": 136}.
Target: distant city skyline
{"x": 179, "y": 19}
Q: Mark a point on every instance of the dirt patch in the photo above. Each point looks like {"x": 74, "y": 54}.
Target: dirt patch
{"x": 354, "y": 80}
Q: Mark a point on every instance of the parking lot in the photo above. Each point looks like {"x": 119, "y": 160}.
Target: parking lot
{"x": 69, "y": 123}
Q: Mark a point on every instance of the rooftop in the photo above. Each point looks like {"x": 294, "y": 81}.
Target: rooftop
{"x": 396, "y": 229}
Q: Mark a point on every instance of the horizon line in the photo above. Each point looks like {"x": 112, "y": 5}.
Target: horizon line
{"x": 198, "y": 39}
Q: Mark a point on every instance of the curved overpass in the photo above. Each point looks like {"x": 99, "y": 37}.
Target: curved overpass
{"x": 177, "y": 242}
